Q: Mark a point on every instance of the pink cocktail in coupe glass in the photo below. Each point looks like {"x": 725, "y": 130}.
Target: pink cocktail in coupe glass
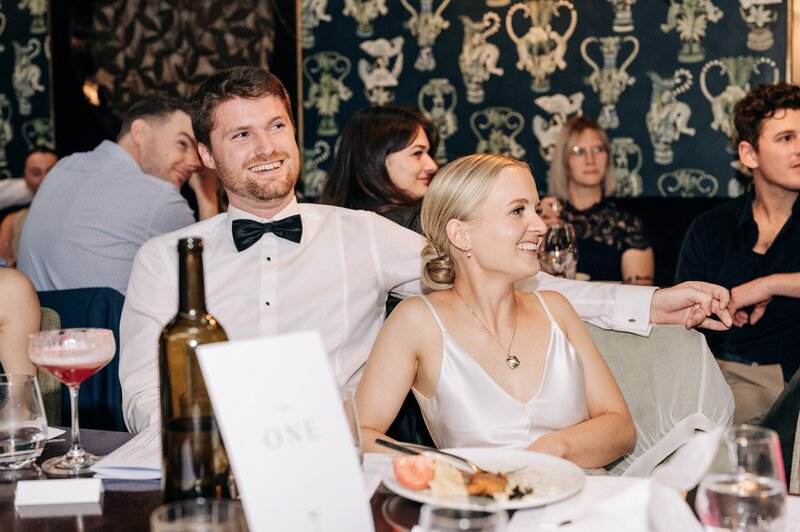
{"x": 72, "y": 356}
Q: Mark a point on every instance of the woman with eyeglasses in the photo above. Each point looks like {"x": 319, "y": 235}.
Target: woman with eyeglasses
{"x": 611, "y": 241}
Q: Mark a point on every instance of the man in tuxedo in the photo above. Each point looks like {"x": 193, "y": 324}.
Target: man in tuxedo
{"x": 275, "y": 266}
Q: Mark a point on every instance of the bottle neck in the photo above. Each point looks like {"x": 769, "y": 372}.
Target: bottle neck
{"x": 191, "y": 288}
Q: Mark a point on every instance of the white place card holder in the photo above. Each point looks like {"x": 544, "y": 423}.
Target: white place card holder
{"x": 286, "y": 435}
{"x": 59, "y": 497}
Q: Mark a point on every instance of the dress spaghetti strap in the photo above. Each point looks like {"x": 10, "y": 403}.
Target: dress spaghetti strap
{"x": 544, "y": 307}
{"x": 435, "y": 314}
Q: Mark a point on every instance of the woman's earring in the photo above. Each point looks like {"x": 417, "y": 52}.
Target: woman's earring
{"x": 469, "y": 253}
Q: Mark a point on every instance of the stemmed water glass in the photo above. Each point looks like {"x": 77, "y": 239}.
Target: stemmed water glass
{"x": 72, "y": 356}
{"x": 745, "y": 489}
{"x": 558, "y": 254}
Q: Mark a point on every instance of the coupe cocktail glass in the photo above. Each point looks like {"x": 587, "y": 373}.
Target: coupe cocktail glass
{"x": 72, "y": 356}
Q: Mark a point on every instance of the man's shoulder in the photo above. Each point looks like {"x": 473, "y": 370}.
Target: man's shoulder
{"x": 208, "y": 229}
{"x": 318, "y": 210}
{"x": 723, "y": 217}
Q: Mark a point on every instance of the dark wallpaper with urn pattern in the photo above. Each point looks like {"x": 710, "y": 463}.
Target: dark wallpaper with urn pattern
{"x": 25, "y": 108}
{"x": 503, "y": 76}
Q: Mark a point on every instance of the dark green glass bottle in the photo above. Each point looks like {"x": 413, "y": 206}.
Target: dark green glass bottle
{"x": 194, "y": 458}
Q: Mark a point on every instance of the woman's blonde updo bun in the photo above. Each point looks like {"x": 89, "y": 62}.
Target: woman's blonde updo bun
{"x": 456, "y": 193}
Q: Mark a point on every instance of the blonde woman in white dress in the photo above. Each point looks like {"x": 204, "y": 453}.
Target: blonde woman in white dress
{"x": 491, "y": 366}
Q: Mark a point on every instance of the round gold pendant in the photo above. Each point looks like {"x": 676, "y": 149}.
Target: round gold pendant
{"x": 512, "y": 361}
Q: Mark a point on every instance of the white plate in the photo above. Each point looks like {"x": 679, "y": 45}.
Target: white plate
{"x": 553, "y": 478}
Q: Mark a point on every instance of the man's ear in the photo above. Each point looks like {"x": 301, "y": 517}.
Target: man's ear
{"x": 458, "y": 235}
{"x": 140, "y": 130}
{"x": 748, "y": 155}
{"x": 205, "y": 156}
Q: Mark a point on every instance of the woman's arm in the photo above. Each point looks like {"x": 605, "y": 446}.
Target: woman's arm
{"x": 20, "y": 315}
{"x": 609, "y": 431}
{"x": 6, "y": 226}
{"x": 638, "y": 266}
{"x": 391, "y": 370}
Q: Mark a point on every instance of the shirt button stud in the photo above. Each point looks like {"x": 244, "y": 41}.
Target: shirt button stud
{"x": 631, "y": 320}
{"x": 266, "y": 303}
{"x": 269, "y": 259}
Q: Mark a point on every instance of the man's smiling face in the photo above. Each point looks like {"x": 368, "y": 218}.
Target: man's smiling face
{"x": 254, "y": 151}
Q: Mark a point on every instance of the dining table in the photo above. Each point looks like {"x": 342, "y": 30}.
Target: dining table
{"x": 127, "y": 505}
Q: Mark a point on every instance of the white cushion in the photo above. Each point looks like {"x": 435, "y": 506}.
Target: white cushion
{"x": 673, "y": 387}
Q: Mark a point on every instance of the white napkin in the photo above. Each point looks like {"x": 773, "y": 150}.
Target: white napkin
{"x": 53, "y": 432}
{"x": 632, "y": 504}
{"x": 373, "y": 469}
{"x": 138, "y": 459}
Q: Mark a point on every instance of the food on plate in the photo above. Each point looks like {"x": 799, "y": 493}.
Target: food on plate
{"x": 448, "y": 482}
{"x": 487, "y": 484}
{"x": 445, "y": 481}
{"x": 415, "y": 472}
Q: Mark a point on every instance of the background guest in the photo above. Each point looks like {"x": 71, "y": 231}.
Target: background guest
{"x": 38, "y": 163}
{"x": 384, "y": 163}
{"x": 20, "y": 315}
{"x": 97, "y": 208}
{"x": 612, "y": 244}
{"x": 501, "y": 360}
{"x": 751, "y": 245}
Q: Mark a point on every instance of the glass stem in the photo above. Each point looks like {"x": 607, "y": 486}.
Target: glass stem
{"x": 75, "y": 449}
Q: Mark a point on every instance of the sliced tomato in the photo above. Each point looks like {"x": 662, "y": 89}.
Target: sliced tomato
{"x": 415, "y": 472}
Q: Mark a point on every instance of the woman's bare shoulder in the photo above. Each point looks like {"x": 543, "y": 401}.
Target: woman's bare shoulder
{"x": 561, "y": 309}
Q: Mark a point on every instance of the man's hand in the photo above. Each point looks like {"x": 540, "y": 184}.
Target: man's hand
{"x": 204, "y": 184}
{"x": 692, "y": 304}
{"x": 551, "y": 210}
{"x": 754, "y": 293}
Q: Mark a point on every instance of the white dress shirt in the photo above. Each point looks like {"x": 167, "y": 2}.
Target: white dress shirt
{"x": 336, "y": 280}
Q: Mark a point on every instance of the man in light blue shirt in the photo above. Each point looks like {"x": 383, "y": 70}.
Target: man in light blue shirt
{"x": 95, "y": 209}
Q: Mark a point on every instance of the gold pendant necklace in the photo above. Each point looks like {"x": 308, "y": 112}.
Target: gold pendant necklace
{"x": 512, "y": 361}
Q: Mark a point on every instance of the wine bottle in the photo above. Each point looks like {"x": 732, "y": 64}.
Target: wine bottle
{"x": 194, "y": 458}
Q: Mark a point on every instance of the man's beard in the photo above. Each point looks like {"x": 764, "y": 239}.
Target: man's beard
{"x": 250, "y": 188}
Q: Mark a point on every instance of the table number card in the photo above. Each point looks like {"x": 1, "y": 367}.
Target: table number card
{"x": 286, "y": 435}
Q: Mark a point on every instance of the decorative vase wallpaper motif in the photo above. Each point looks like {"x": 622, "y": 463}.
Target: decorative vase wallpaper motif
{"x": 506, "y": 75}
{"x": 25, "y": 120}
{"x": 174, "y": 45}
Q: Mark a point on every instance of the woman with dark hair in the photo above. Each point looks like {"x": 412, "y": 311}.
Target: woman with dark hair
{"x": 611, "y": 241}
{"x": 384, "y": 163}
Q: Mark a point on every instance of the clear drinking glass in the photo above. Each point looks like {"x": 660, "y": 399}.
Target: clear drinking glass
{"x": 23, "y": 425}
{"x": 199, "y": 515}
{"x": 558, "y": 254}
{"x": 434, "y": 519}
{"x": 349, "y": 403}
{"x": 745, "y": 489}
{"x": 72, "y": 356}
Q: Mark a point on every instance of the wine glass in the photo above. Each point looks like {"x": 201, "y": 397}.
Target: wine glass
{"x": 558, "y": 254}
{"x": 72, "y": 356}
{"x": 23, "y": 425}
{"x": 745, "y": 489}
{"x": 434, "y": 519}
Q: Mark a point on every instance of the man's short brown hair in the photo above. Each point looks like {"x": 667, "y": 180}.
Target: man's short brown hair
{"x": 237, "y": 82}
{"x": 761, "y": 103}
{"x": 152, "y": 105}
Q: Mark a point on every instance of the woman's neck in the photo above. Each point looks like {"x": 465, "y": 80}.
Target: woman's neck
{"x": 582, "y": 197}
{"x": 493, "y": 303}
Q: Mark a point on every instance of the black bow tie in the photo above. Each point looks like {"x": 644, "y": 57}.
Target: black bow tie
{"x": 248, "y": 232}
